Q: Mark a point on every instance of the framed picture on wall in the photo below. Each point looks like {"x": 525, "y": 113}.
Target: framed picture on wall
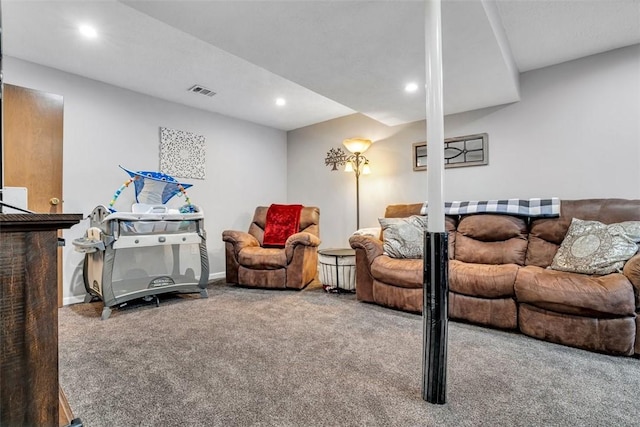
{"x": 182, "y": 154}
{"x": 469, "y": 150}
{"x": 420, "y": 156}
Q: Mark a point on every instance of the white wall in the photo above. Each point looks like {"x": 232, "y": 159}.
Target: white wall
{"x": 575, "y": 134}
{"x": 391, "y": 180}
{"x": 106, "y": 126}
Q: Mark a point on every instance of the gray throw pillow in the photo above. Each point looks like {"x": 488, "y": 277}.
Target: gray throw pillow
{"x": 591, "y": 247}
{"x": 403, "y": 237}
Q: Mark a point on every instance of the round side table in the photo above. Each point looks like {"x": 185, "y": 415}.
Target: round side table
{"x": 338, "y": 269}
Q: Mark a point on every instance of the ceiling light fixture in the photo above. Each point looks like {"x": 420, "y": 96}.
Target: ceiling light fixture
{"x": 88, "y": 31}
{"x": 280, "y": 102}
{"x": 411, "y": 87}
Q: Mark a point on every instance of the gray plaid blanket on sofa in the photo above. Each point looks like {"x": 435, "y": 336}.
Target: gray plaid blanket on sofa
{"x": 535, "y": 207}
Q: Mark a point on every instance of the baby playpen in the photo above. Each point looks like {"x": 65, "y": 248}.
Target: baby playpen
{"x": 150, "y": 250}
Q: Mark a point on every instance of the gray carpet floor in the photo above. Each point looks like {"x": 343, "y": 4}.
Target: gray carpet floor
{"x": 250, "y": 357}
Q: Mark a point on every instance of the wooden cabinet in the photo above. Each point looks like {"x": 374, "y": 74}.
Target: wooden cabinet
{"x": 29, "y": 391}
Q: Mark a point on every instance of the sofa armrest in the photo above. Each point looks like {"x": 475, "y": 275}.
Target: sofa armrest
{"x": 367, "y": 249}
{"x": 239, "y": 239}
{"x": 371, "y": 245}
{"x": 632, "y": 271}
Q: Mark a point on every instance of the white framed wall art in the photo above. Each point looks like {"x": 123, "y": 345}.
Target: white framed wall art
{"x": 182, "y": 154}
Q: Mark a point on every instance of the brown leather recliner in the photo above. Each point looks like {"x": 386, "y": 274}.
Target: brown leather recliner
{"x": 248, "y": 263}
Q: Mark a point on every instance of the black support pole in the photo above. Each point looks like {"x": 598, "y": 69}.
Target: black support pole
{"x": 435, "y": 317}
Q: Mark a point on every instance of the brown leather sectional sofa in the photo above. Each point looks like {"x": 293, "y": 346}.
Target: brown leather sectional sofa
{"x": 498, "y": 277}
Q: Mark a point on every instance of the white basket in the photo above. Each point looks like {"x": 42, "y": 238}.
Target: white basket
{"x": 338, "y": 272}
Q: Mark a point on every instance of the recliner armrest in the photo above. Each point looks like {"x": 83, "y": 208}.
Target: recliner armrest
{"x": 371, "y": 245}
{"x": 239, "y": 239}
{"x": 302, "y": 238}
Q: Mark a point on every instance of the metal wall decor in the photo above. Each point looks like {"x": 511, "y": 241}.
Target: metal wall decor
{"x": 469, "y": 150}
{"x": 335, "y": 157}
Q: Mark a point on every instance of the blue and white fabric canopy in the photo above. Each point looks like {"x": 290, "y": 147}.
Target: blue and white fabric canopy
{"x": 155, "y": 187}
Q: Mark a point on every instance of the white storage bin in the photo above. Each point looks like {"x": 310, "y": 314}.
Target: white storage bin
{"x": 338, "y": 268}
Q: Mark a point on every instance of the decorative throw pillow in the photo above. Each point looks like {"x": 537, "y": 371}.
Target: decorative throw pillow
{"x": 403, "y": 237}
{"x": 591, "y": 247}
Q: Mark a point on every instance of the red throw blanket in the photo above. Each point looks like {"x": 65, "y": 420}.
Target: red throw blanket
{"x": 282, "y": 222}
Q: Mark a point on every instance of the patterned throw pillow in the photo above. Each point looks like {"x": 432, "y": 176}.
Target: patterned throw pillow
{"x": 591, "y": 247}
{"x": 403, "y": 237}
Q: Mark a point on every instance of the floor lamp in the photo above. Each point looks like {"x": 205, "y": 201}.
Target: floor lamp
{"x": 355, "y": 162}
{"x": 358, "y": 164}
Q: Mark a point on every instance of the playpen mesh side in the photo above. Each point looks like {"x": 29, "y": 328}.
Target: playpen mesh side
{"x": 137, "y": 269}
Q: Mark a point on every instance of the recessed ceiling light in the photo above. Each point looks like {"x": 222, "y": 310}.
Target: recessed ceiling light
{"x": 88, "y": 31}
{"x": 280, "y": 102}
{"x": 411, "y": 87}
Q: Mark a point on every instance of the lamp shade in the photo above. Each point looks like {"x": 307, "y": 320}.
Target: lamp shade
{"x": 348, "y": 167}
{"x": 357, "y": 145}
{"x": 366, "y": 170}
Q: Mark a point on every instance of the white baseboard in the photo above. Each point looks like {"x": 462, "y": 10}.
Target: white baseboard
{"x": 218, "y": 275}
{"x": 76, "y": 299}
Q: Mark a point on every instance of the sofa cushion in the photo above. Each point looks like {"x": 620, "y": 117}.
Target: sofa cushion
{"x": 255, "y": 257}
{"x": 482, "y": 280}
{"x": 403, "y": 237}
{"x": 540, "y": 252}
{"x": 577, "y": 294}
{"x": 404, "y": 273}
{"x": 591, "y": 247}
{"x": 491, "y": 239}
{"x": 610, "y": 335}
{"x": 402, "y": 210}
{"x": 496, "y": 312}
{"x": 262, "y": 278}
{"x": 400, "y": 298}
{"x": 546, "y": 234}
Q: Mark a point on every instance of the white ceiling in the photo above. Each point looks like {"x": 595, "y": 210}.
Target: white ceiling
{"x": 326, "y": 58}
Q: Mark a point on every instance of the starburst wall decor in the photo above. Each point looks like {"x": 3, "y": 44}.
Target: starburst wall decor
{"x": 182, "y": 153}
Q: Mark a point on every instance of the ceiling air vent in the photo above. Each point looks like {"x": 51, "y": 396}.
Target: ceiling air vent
{"x": 201, "y": 90}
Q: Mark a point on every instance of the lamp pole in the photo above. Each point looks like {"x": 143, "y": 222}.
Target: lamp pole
{"x": 357, "y": 158}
